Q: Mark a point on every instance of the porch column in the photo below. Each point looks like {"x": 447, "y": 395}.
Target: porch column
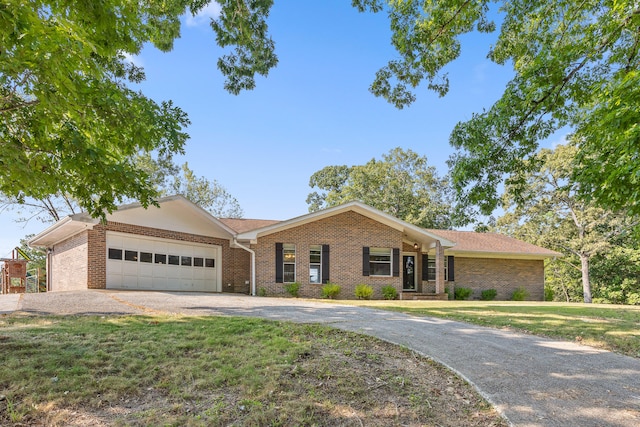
{"x": 439, "y": 268}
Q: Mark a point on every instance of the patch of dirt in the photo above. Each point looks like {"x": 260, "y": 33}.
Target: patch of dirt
{"x": 344, "y": 379}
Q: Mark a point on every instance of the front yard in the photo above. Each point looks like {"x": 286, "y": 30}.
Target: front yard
{"x": 219, "y": 371}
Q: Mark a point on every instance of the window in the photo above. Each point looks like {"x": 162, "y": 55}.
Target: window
{"x": 210, "y": 263}
{"x": 431, "y": 268}
{"x": 198, "y": 262}
{"x": 115, "y": 253}
{"x": 186, "y": 260}
{"x": 380, "y": 261}
{"x": 315, "y": 264}
{"x": 289, "y": 263}
{"x": 131, "y": 255}
{"x": 146, "y": 257}
{"x": 160, "y": 259}
{"x": 174, "y": 260}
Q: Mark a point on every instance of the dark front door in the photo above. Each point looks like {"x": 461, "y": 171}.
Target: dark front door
{"x": 408, "y": 273}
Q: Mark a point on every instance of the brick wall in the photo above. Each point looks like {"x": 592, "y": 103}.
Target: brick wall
{"x": 503, "y": 275}
{"x": 235, "y": 262}
{"x": 69, "y": 264}
{"x": 346, "y": 234}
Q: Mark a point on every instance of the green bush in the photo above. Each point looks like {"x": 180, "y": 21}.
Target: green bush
{"x": 262, "y": 292}
{"x": 449, "y": 291}
{"x": 330, "y": 290}
{"x": 292, "y": 288}
{"x": 548, "y": 293}
{"x": 462, "y": 293}
{"x": 488, "y": 295}
{"x": 520, "y": 294}
{"x": 364, "y": 291}
{"x": 389, "y": 292}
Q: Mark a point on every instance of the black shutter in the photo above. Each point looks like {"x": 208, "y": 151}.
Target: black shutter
{"x": 450, "y": 268}
{"x": 279, "y": 260}
{"x": 325, "y": 263}
{"x": 396, "y": 262}
{"x": 365, "y": 261}
{"x": 425, "y": 267}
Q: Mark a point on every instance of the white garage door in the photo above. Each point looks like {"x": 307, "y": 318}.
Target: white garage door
{"x": 138, "y": 262}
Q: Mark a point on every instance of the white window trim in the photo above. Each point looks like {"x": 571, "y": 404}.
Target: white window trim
{"x": 317, "y": 248}
{"x": 288, "y": 246}
{"x": 372, "y": 252}
{"x": 446, "y": 267}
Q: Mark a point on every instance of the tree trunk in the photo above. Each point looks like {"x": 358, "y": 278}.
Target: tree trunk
{"x": 586, "y": 284}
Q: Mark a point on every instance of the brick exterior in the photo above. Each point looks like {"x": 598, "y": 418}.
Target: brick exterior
{"x": 235, "y": 262}
{"x": 346, "y": 234}
{"x": 503, "y": 275}
{"x": 80, "y": 261}
{"x": 69, "y": 264}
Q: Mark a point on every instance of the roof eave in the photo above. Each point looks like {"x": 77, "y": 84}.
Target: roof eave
{"x": 507, "y": 255}
{"x": 62, "y": 230}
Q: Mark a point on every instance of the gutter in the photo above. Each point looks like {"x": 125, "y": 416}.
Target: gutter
{"x": 253, "y": 265}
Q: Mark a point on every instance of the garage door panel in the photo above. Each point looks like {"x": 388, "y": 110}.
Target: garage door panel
{"x": 145, "y": 282}
{"x": 139, "y": 273}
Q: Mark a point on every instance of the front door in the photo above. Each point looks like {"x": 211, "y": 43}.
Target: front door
{"x": 408, "y": 273}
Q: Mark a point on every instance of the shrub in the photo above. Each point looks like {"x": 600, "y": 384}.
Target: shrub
{"x": 262, "y": 292}
{"x": 330, "y": 290}
{"x": 389, "y": 292}
{"x": 520, "y": 294}
{"x": 364, "y": 291}
{"x": 462, "y": 293}
{"x": 449, "y": 291}
{"x": 488, "y": 295}
{"x": 292, "y": 288}
{"x": 548, "y": 293}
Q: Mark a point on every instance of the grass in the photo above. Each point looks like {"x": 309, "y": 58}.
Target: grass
{"x": 611, "y": 327}
{"x": 214, "y": 371}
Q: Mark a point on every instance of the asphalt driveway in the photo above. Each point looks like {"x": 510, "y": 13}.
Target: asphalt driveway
{"x": 532, "y": 381}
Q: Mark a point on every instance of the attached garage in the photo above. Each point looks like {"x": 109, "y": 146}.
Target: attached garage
{"x": 175, "y": 246}
{"x": 139, "y": 262}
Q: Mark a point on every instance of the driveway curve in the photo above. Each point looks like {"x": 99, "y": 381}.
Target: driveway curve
{"x": 532, "y": 381}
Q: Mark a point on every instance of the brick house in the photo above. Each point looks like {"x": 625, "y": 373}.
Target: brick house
{"x": 181, "y": 247}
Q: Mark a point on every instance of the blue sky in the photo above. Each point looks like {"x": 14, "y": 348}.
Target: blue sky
{"x": 312, "y": 111}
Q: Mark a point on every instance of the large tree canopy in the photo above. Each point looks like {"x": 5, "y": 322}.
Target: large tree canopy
{"x": 69, "y": 123}
{"x": 401, "y": 184}
{"x": 576, "y": 65}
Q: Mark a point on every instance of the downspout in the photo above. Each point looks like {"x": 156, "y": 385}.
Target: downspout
{"x": 253, "y": 265}
{"x": 47, "y": 266}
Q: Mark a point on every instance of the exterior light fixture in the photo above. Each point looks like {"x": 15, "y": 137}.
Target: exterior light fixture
{"x": 415, "y": 246}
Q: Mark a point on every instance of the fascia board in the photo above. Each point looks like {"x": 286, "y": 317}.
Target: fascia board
{"x": 505, "y": 255}
{"x": 65, "y": 228}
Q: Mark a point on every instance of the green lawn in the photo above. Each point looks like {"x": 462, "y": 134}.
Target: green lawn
{"x": 219, "y": 371}
{"x": 612, "y": 327}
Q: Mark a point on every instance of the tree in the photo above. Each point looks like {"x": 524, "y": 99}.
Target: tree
{"x": 167, "y": 179}
{"x": 576, "y": 65}
{"x": 69, "y": 124}
{"x": 616, "y": 274}
{"x": 209, "y": 195}
{"x": 549, "y": 213}
{"x": 402, "y": 184}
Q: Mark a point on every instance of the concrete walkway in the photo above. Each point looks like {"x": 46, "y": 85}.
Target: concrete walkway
{"x": 532, "y": 381}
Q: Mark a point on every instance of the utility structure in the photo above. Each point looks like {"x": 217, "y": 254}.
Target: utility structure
{"x": 14, "y": 272}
